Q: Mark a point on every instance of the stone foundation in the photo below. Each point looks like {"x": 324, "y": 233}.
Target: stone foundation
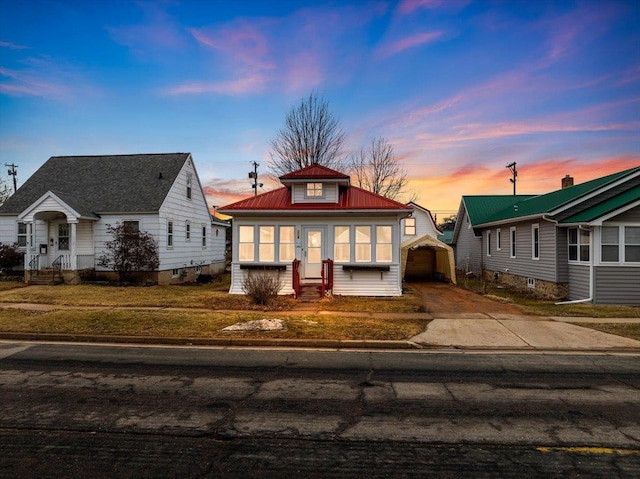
{"x": 543, "y": 289}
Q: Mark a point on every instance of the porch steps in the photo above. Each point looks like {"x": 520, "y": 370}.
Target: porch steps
{"x": 45, "y": 277}
{"x": 310, "y": 292}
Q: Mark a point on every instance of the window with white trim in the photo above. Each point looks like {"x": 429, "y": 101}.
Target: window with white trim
{"x": 63, "y": 236}
{"x": 22, "y": 235}
{"x": 498, "y": 239}
{"x": 287, "y": 247}
{"x": 175, "y": 272}
{"x": 342, "y": 244}
{"x": 131, "y": 226}
{"x": 488, "y": 242}
{"x": 384, "y": 251}
{"x": 314, "y": 190}
{"x": 187, "y": 231}
{"x": 410, "y": 226}
{"x": 578, "y": 240}
{"x": 535, "y": 241}
{"x": 267, "y": 245}
{"x": 363, "y": 244}
{"x": 169, "y": 234}
{"x": 204, "y": 236}
{"x": 245, "y": 243}
{"x": 512, "y": 242}
{"x": 189, "y": 183}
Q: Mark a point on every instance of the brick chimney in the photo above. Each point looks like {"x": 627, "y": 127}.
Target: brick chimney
{"x": 567, "y": 181}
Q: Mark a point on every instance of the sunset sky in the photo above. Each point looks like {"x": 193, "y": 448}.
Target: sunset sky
{"x": 460, "y": 88}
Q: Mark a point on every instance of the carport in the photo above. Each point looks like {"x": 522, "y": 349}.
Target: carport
{"x": 428, "y": 258}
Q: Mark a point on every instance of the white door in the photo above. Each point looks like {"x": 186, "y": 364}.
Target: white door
{"x": 59, "y": 240}
{"x": 313, "y": 237}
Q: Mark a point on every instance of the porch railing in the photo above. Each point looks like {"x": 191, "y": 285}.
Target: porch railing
{"x": 327, "y": 276}
{"x": 34, "y": 265}
{"x": 56, "y": 266}
{"x": 296, "y": 277}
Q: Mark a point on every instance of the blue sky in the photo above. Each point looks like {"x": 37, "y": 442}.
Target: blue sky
{"x": 460, "y": 88}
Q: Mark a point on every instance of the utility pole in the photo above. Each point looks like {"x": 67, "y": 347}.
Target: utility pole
{"x": 12, "y": 172}
{"x": 254, "y": 176}
{"x": 512, "y": 167}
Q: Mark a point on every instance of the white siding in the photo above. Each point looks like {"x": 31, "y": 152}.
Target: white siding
{"x": 424, "y": 225}
{"x": 330, "y": 191}
{"x": 148, "y": 223}
{"x": 8, "y": 229}
{"x": 238, "y": 275}
{"x": 84, "y": 238}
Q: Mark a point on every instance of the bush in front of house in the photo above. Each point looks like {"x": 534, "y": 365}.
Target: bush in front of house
{"x": 262, "y": 288}
{"x": 10, "y": 257}
{"x": 129, "y": 251}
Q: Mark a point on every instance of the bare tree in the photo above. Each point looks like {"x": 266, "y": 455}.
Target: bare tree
{"x": 377, "y": 169}
{"x": 5, "y": 192}
{"x": 311, "y": 135}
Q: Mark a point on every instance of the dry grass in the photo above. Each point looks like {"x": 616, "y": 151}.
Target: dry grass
{"x": 7, "y": 285}
{"x": 409, "y": 302}
{"x": 199, "y": 324}
{"x": 628, "y": 330}
{"x": 533, "y": 305}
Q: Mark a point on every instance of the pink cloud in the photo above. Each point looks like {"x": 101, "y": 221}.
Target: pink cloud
{"x": 30, "y": 83}
{"x": 398, "y": 46}
{"x": 250, "y": 84}
{"x": 409, "y": 6}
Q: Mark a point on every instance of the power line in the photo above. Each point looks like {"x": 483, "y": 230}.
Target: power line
{"x": 12, "y": 172}
{"x": 254, "y": 176}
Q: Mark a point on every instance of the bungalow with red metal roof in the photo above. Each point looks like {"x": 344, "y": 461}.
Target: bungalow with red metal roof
{"x": 319, "y": 232}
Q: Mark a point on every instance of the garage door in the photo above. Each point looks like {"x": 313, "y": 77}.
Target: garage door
{"x": 420, "y": 263}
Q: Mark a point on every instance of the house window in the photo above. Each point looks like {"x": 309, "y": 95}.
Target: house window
{"x": 187, "y": 231}
{"x": 632, "y": 244}
{"x": 384, "y": 251}
{"x": 535, "y": 241}
{"x": 498, "y": 240}
{"x": 189, "y": 182}
{"x": 314, "y": 190}
{"x": 204, "y": 236}
{"x": 131, "y": 226}
{"x": 175, "y": 272}
{"x": 531, "y": 282}
{"x": 22, "y": 235}
{"x": 363, "y": 244}
{"x": 410, "y": 226}
{"x": 610, "y": 244}
{"x": 245, "y": 247}
{"x": 169, "y": 234}
{"x": 287, "y": 249}
{"x": 266, "y": 247}
{"x": 342, "y": 244}
{"x": 512, "y": 242}
{"x": 489, "y": 243}
{"x": 578, "y": 244}
{"x": 63, "y": 237}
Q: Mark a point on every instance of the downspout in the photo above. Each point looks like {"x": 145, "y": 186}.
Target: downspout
{"x": 590, "y": 298}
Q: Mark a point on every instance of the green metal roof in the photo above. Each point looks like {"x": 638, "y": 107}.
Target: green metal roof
{"x": 481, "y": 207}
{"x": 601, "y": 209}
{"x": 446, "y": 236}
{"x": 538, "y": 205}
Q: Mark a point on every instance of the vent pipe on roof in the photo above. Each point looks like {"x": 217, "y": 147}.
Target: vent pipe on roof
{"x": 567, "y": 181}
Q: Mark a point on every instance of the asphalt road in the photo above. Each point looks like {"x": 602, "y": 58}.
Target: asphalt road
{"x": 109, "y": 411}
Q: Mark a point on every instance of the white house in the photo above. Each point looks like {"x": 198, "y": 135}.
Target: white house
{"x": 319, "y": 230}
{"x": 59, "y": 216}
{"x": 423, "y": 255}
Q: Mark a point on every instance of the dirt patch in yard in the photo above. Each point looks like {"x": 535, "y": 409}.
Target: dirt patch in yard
{"x": 448, "y": 298}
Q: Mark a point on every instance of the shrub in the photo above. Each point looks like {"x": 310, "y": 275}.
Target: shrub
{"x": 10, "y": 256}
{"x": 262, "y": 288}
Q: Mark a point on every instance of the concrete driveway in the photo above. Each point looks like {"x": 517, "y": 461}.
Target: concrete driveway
{"x": 463, "y": 319}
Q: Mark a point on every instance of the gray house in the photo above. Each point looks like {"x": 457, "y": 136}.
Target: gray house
{"x": 59, "y": 216}
{"x": 581, "y": 242}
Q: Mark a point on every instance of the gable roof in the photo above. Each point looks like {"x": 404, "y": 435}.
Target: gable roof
{"x": 352, "y": 198}
{"x": 315, "y": 172}
{"x": 627, "y": 198}
{"x": 108, "y": 183}
{"x": 541, "y": 204}
{"x": 426, "y": 211}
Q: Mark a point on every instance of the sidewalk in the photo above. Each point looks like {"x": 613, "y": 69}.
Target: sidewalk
{"x": 472, "y": 331}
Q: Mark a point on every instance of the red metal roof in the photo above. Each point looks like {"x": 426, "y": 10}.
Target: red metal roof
{"x": 351, "y": 198}
{"x": 314, "y": 172}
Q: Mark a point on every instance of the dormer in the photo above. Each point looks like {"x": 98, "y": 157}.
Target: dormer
{"x": 315, "y": 184}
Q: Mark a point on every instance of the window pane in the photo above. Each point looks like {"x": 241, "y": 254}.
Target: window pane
{"x": 267, "y": 234}
{"x": 584, "y": 253}
{"x": 573, "y": 236}
{"x": 609, "y": 252}
{"x": 266, "y": 252}
{"x": 363, "y": 252}
{"x": 22, "y": 228}
{"x": 383, "y": 234}
{"x": 286, "y": 234}
{"x": 63, "y": 229}
{"x": 610, "y": 235}
{"x": 245, "y": 252}
{"x": 22, "y": 240}
{"x": 341, "y": 253}
{"x": 383, "y": 253}
{"x": 246, "y": 234}
{"x": 287, "y": 252}
{"x": 313, "y": 256}
{"x": 573, "y": 253}
{"x": 410, "y": 226}
{"x": 584, "y": 237}
{"x": 342, "y": 234}
{"x": 632, "y": 235}
{"x": 632, "y": 254}
{"x": 363, "y": 234}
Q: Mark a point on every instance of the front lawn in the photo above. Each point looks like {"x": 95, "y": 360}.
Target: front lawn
{"x": 628, "y": 330}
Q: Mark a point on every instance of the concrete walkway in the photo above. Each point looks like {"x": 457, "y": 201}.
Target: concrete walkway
{"x": 496, "y": 331}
